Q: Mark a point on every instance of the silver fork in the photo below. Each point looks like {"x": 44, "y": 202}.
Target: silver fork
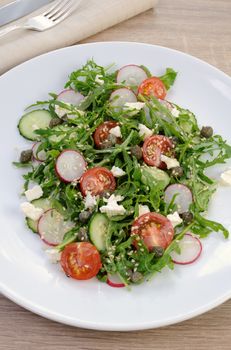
{"x": 50, "y": 18}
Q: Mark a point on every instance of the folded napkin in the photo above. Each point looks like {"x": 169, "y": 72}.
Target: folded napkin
{"x": 91, "y": 17}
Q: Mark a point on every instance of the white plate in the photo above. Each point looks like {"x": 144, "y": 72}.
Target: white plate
{"x": 27, "y": 277}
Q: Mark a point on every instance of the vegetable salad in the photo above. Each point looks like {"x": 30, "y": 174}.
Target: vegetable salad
{"x": 116, "y": 182}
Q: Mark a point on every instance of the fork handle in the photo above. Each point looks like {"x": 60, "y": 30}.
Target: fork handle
{"x": 8, "y": 30}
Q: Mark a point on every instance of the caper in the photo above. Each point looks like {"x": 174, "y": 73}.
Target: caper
{"x": 105, "y": 194}
{"x": 174, "y": 140}
{"x": 136, "y": 277}
{"x": 82, "y": 234}
{"x": 55, "y": 122}
{"x": 187, "y": 217}
{"x": 206, "y": 131}
{"x": 84, "y": 216}
{"x": 177, "y": 171}
{"x": 136, "y": 151}
{"x": 26, "y": 156}
{"x": 158, "y": 251}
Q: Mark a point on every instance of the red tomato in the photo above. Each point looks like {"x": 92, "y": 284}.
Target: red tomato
{"x": 153, "y": 87}
{"x": 154, "y": 229}
{"x": 96, "y": 181}
{"x": 102, "y": 132}
{"x": 80, "y": 260}
{"x": 153, "y": 147}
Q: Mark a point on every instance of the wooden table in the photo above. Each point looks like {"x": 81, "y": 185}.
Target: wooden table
{"x": 201, "y": 28}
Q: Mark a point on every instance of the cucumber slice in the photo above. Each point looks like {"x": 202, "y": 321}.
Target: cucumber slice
{"x": 98, "y": 228}
{"x": 39, "y": 119}
{"x": 151, "y": 176}
{"x": 42, "y": 203}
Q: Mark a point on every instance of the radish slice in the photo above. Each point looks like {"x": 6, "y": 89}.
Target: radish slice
{"x": 52, "y": 227}
{"x": 40, "y": 156}
{"x": 131, "y": 75}
{"x": 70, "y": 165}
{"x": 190, "y": 247}
{"x": 70, "y": 97}
{"x": 183, "y": 197}
{"x": 121, "y": 96}
{"x": 115, "y": 281}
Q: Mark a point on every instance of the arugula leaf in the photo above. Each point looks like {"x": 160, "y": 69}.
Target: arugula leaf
{"x": 168, "y": 78}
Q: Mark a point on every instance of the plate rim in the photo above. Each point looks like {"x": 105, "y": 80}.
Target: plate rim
{"x": 38, "y": 309}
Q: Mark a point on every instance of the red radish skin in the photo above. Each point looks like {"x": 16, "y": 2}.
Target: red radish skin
{"x": 70, "y": 96}
{"x": 35, "y": 155}
{"x": 55, "y": 236}
{"x": 78, "y": 165}
{"x": 114, "y": 284}
{"x": 183, "y": 199}
{"x": 197, "y": 255}
{"x": 132, "y": 74}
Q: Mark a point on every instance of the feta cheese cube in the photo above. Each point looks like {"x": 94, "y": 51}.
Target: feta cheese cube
{"x": 117, "y": 172}
{"x": 30, "y": 211}
{"x": 115, "y": 131}
{"x": 112, "y": 208}
{"x": 175, "y": 219}
{"x": 89, "y": 200}
{"x": 226, "y": 177}
{"x": 60, "y": 111}
{"x": 34, "y": 193}
{"x": 144, "y": 131}
{"x": 143, "y": 209}
{"x": 170, "y": 162}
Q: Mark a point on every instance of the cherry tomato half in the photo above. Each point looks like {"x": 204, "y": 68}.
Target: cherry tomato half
{"x": 97, "y": 180}
{"x": 153, "y": 87}
{"x": 153, "y": 147}
{"x": 154, "y": 229}
{"x": 101, "y": 134}
{"x": 80, "y": 260}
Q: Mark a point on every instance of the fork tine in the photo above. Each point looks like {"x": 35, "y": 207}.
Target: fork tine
{"x": 60, "y": 19}
{"x": 65, "y": 11}
{"x": 56, "y": 4}
{"x": 59, "y": 9}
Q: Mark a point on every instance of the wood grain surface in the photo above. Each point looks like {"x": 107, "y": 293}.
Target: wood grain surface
{"x": 201, "y": 28}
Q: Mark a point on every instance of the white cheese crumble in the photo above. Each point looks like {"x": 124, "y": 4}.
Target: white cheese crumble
{"x": 144, "y": 131}
{"x": 34, "y": 193}
{"x": 115, "y": 131}
{"x": 112, "y": 208}
{"x": 133, "y": 107}
{"x": 60, "y": 111}
{"x": 117, "y": 172}
{"x": 175, "y": 219}
{"x": 170, "y": 162}
{"x": 143, "y": 209}
{"x": 89, "y": 200}
{"x": 30, "y": 211}
{"x": 98, "y": 79}
{"x": 175, "y": 112}
{"x": 226, "y": 177}
{"x": 54, "y": 255}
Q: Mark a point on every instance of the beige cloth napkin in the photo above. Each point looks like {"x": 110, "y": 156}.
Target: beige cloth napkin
{"x": 91, "y": 17}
